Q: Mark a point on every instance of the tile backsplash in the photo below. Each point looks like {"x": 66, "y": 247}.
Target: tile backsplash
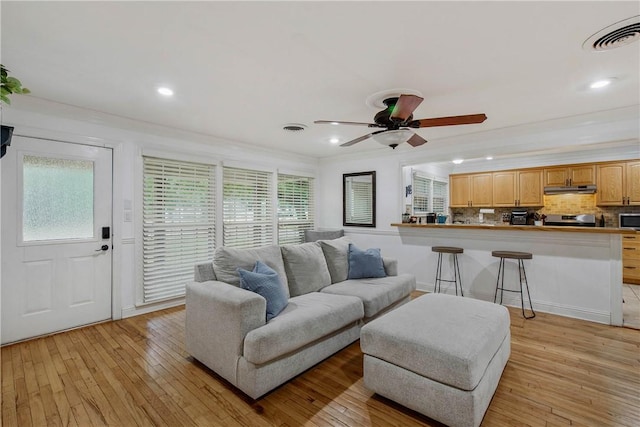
{"x": 553, "y": 204}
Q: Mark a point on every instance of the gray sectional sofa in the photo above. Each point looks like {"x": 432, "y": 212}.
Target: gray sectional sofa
{"x": 226, "y": 327}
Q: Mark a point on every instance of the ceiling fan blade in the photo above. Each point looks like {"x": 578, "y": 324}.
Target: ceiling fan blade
{"x": 449, "y": 121}
{"x": 416, "y": 140}
{"x": 405, "y": 106}
{"x": 336, "y": 122}
{"x": 362, "y": 138}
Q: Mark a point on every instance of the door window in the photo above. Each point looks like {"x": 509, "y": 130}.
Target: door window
{"x": 57, "y": 199}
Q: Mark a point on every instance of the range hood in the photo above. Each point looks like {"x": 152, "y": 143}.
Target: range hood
{"x": 574, "y": 189}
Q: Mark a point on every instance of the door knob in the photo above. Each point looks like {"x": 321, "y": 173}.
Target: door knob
{"x": 103, "y": 248}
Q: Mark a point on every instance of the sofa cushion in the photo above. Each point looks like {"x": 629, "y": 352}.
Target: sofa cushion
{"x": 377, "y": 293}
{"x": 307, "y": 318}
{"x": 226, "y": 261}
{"x": 264, "y": 281}
{"x": 306, "y": 268}
{"x": 313, "y": 235}
{"x": 364, "y": 264}
{"x": 336, "y": 253}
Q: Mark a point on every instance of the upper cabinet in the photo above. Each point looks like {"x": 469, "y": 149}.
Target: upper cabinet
{"x": 470, "y": 190}
{"x": 563, "y": 176}
{"x": 517, "y": 188}
{"x": 618, "y": 184}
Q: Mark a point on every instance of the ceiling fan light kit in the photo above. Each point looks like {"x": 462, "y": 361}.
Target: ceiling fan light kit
{"x": 396, "y": 121}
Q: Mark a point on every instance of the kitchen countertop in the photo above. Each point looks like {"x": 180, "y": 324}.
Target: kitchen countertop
{"x": 547, "y": 228}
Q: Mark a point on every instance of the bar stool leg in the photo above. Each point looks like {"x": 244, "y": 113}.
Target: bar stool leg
{"x": 456, "y": 272}
{"x": 495, "y": 296}
{"x": 522, "y": 272}
{"x": 500, "y": 284}
{"x": 436, "y": 283}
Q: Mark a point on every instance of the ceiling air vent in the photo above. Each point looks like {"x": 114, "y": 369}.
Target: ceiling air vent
{"x": 294, "y": 127}
{"x": 619, "y": 34}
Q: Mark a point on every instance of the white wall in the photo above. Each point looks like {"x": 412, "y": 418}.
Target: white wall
{"x": 129, "y": 140}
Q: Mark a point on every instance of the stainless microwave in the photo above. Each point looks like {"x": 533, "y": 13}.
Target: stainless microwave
{"x": 630, "y": 220}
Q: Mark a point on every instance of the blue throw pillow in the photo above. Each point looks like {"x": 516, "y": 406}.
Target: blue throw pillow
{"x": 365, "y": 264}
{"x": 264, "y": 281}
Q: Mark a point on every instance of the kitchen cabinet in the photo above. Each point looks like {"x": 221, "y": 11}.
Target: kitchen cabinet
{"x": 618, "y": 184}
{"x": 518, "y": 188}
{"x": 631, "y": 259}
{"x": 471, "y": 190}
{"x": 562, "y": 176}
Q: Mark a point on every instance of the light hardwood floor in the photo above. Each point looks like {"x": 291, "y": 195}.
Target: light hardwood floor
{"x": 136, "y": 372}
{"x": 631, "y": 306}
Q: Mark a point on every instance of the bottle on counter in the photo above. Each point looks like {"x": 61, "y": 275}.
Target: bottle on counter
{"x": 601, "y": 224}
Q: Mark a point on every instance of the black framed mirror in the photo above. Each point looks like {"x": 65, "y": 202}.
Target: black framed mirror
{"x": 359, "y": 199}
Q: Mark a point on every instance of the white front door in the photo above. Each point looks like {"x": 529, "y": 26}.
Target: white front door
{"x": 56, "y": 237}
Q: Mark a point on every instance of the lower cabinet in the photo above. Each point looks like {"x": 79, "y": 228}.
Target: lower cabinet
{"x": 631, "y": 259}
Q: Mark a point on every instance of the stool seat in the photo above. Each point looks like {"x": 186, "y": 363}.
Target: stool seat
{"x": 447, "y": 249}
{"x": 512, "y": 254}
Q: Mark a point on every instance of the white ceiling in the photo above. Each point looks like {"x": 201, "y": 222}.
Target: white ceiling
{"x": 242, "y": 70}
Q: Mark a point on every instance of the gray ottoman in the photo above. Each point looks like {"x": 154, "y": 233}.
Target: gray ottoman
{"x": 440, "y": 355}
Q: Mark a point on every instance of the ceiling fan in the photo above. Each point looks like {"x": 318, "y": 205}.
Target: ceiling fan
{"x": 397, "y": 120}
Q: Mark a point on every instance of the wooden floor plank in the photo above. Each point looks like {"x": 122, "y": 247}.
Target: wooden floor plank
{"x": 136, "y": 372}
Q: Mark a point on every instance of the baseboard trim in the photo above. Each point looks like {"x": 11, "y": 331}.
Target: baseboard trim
{"x": 541, "y": 306}
{"x": 144, "y": 309}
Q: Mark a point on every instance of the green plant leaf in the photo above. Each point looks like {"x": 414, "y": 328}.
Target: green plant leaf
{"x": 10, "y": 85}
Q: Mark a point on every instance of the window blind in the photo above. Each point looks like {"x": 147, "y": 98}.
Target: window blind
{"x": 178, "y": 224}
{"x": 296, "y": 207}
{"x": 247, "y": 211}
{"x": 421, "y": 194}
{"x": 440, "y": 194}
{"x": 429, "y": 195}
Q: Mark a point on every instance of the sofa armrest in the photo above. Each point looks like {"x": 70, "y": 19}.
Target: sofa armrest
{"x": 390, "y": 266}
{"x": 218, "y": 317}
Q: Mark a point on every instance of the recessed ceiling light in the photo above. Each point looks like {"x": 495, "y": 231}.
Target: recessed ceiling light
{"x": 457, "y": 161}
{"x": 165, "y": 91}
{"x": 334, "y": 140}
{"x": 598, "y": 84}
{"x": 489, "y": 158}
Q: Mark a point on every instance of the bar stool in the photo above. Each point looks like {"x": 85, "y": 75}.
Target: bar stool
{"x": 520, "y": 256}
{"x": 456, "y": 267}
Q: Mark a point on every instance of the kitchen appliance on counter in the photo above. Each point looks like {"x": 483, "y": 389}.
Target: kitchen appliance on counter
{"x": 629, "y": 220}
{"x": 518, "y": 217}
{"x": 431, "y": 218}
{"x": 579, "y": 220}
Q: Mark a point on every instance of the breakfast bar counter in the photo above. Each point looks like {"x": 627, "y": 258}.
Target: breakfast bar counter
{"x": 575, "y": 271}
{"x": 535, "y": 228}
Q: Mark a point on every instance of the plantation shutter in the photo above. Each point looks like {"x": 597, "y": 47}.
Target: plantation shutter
{"x": 421, "y": 194}
{"x": 178, "y": 224}
{"x": 296, "y": 207}
{"x": 247, "y": 208}
{"x": 440, "y": 194}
